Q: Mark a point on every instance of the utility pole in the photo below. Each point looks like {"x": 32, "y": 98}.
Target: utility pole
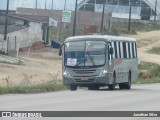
{"x": 36, "y": 4}
{"x": 52, "y": 5}
{"x": 102, "y": 20}
{"x": 75, "y": 19}
{"x": 6, "y": 28}
{"x": 129, "y": 21}
{"x": 155, "y": 15}
{"x": 45, "y": 4}
{"x": 65, "y": 5}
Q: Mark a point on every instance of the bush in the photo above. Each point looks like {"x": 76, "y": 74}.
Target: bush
{"x": 155, "y": 71}
{"x": 155, "y": 50}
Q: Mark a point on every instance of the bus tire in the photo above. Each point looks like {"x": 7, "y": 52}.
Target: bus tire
{"x": 112, "y": 86}
{"x": 93, "y": 87}
{"x": 73, "y": 87}
{"x": 121, "y": 86}
{"x": 128, "y": 84}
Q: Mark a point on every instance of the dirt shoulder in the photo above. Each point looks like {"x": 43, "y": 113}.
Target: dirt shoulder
{"x": 38, "y": 67}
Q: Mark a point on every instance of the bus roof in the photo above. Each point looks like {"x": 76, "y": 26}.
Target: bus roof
{"x": 98, "y": 37}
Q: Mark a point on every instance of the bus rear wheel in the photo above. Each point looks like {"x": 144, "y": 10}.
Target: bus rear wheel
{"x": 128, "y": 84}
{"x": 73, "y": 87}
{"x": 122, "y": 86}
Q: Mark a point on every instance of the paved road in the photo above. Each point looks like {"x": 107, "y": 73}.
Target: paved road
{"x": 139, "y": 98}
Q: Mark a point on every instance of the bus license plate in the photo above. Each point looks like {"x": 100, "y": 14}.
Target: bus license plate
{"x": 84, "y": 78}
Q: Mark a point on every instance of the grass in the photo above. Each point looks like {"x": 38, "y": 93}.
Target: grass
{"x": 42, "y": 88}
{"x": 146, "y": 66}
{"x": 154, "y": 50}
{"x": 147, "y": 81}
{"x": 26, "y": 86}
{"x": 150, "y": 73}
{"x": 118, "y": 28}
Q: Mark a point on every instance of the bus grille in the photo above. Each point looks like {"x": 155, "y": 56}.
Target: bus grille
{"x": 90, "y": 71}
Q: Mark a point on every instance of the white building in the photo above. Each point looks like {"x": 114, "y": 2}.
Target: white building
{"x": 141, "y": 9}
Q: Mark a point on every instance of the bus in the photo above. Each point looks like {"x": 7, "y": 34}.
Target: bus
{"x": 99, "y": 60}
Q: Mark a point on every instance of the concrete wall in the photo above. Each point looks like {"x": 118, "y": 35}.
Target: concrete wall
{"x": 24, "y": 38}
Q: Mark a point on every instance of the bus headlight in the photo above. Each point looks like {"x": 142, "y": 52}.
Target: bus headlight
{"x": 103, "y": 72}
{"x": 66, "y": 73}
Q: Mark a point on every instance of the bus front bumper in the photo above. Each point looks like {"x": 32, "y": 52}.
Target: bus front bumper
{"x": 86, "y": 80}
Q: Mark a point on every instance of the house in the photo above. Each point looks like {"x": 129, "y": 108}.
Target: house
{"x": 22, "y": 32}
{"x": 84, "y": 18}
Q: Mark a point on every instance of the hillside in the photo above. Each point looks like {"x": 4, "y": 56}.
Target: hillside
{"x": 146, "y": 41}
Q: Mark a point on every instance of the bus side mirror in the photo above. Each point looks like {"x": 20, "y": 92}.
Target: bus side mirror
{"x": 60, "y": 50}
{"x": 111, "y": 51}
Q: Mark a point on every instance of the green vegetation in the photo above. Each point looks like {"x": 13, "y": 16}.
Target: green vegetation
{"x": 154, "y": 50}
{"x": 147, "y": 81}
{"x": 27, "y": 87}
{"x": 41, "y": 88}
{"x": 146, "y": 66}
{"x": 119, "y": 28}
{"x": 149, "y": 73}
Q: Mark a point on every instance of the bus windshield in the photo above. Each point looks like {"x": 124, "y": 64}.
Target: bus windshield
{"x": 85, "y": 53}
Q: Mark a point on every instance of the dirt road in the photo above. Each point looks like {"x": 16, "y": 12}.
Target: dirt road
{"x": 146, "y": 41}
{"x": 38, "y": 67}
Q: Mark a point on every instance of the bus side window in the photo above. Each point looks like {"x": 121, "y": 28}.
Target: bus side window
{"x": 118, "y": 51}
{"x": 115, "y": 47}
{"x": 110, "y": 56}
{"x": 129, "y": 50}
{"x": 121, "y": 50}
{"x": 133, "y": 51}
{"x": 124, "y": 50}
{"x": 112, "y": 44}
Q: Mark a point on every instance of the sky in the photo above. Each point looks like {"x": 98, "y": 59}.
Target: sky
{"x": 57, "y": 4}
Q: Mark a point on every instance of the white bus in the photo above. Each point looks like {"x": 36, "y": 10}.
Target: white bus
{"x": 93, "y": 61}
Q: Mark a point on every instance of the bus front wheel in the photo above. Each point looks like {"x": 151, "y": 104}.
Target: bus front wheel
{"x": 73, "y": 87}
{"x": 113, "y": 85}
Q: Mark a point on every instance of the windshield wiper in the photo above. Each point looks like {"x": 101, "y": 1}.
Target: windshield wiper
{"x": 91, "y": 58}
{"x": 84, "y": 60}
